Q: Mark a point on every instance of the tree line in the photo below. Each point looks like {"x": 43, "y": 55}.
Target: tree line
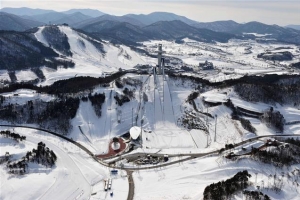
{"x": 13, "y": 135}
{"x": 57, "y": 39}
{"x": 283, "y": 91}
{"x": 246, "y": 124}
{"x": 53, "y": 115}
{"x": 97, "y": 100}
{"x": 42, "y": 155}
{"x": 279, "y": 156}
{"x": 273, "y": 119}
{"x": 68, "y": 86}
{"x": 225, "y": 189}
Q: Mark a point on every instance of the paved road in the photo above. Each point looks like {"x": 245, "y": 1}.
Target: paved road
{"x": 130, "y": 170}
{"x": 131, "y": 185}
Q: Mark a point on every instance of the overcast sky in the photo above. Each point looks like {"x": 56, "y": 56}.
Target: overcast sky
{"x": 268, "y": 11}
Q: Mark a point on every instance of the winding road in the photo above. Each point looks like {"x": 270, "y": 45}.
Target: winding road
{"x": 130, "y": 170}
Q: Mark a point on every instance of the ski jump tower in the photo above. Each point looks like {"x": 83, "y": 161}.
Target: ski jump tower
{"x": 159, "y": 57}
{"x": 160, "y": 62}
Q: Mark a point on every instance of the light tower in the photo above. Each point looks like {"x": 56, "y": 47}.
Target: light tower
{"x": 216, "y": 128}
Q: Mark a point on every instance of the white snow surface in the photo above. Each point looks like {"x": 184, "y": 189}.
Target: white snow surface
{"x": 89, "y": 61}
{"x": 22, "y": 96}
{"x": 188, "y": 180}
{"x": 75, "y": 175}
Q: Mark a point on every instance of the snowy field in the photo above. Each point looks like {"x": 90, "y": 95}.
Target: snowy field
{"x": 187, "y": 180}
{"x": 22, "y": 96}
{"x": 232, "y": 60}
{"x": 75, "y": 176}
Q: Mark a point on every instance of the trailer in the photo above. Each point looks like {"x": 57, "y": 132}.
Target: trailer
{"x": 109, "y": 183}
{"x": 105, "y": 185}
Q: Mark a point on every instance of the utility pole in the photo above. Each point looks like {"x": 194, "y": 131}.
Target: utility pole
{"x": 207, "y": 136}
{"x": 132, "y": 117}
{"x": 256, "y": 178}
{"x": 216, "y": 128}
{"x": 206, "y": 115}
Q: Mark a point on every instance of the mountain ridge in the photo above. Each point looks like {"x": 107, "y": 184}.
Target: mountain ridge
{"x": 159, "y": 16}
{"x": 88, "y": 12}
{"x": 293, "y": 26}
{"x": 25, "y": 11}
{"x": 110, "y": 18}
{"x": 13, "y": 22}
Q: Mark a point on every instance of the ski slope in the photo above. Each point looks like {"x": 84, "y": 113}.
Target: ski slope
{"x": 166, "y": 134}
{"x": 89, "y": 61}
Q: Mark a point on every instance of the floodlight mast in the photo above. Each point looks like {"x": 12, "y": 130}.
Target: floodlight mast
{"x": 216, "y": 128}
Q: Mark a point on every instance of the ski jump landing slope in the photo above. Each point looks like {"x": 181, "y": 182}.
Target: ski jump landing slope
{"x": 166, "y": 133}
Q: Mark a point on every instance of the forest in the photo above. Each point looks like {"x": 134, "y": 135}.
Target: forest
{"x": 279, "y": 156}
{"x": 57, "y": 39}
{"x": 54, "y": 115}
{"x": 69, "y": 86}
{"x": 42, "y": 155}
{"x": 225, "y": 189}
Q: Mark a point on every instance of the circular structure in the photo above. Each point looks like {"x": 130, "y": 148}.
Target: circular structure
{"x": 135, "y": 132}
{"x": 115, "y": 145}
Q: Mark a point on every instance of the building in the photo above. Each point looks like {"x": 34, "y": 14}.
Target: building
{"x": 206, "y": 65}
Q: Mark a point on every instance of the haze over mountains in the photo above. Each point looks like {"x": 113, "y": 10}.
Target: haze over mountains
{"x": 132, "y": 28}
{"x": 16, "y": 23}
{"x": 297, "y": 27}
{"x": 31, "y": 12}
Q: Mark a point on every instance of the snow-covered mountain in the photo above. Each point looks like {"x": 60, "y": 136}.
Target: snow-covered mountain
{"x": 77, "y": 52}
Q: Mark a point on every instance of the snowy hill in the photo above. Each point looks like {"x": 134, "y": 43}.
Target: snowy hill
{"x": 80, "y": 54}
{"x": 90, "y": 60}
